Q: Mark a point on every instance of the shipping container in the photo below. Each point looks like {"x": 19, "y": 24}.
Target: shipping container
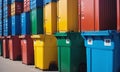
{"x": 9, "y": 10}
{"x": 50, "y": 18}
{"x": 16, "y": 8}
{"x": 1, "y": 3}
{"x": 26, "y": 5}
{"x": 49, "y": 1}
{"x": 14, "y": 48}
{"x": 7, "y": 26}
{"x": 36, "y": 4}
{"x": 97, "y": 15}
{"x": 27, "y": 49}
{"x": 12, "y": 1}
{"x": 16, "y": 25}
{"x": 5, "y": 48}
{"x": 36, "y": 17}
{"x": 118, "y": 15}
{"x": 25, "y": 23}
{"x": 6, "y": 2}
{"x": 1, "y": 10}
{"x": 67, "y": 15}
{"x": 1, "y": 30}
{"x": 5, "y": 11}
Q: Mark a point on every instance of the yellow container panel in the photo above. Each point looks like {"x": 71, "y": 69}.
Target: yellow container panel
{"x": 67, "y": 15}
{"x": 50, "y": 18}
{"x": 12, "y": 9}
{"x": 45, "y": 49}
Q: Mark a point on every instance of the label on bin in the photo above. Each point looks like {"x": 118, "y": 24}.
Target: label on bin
{"x": 90, "y": 41}
{"x": 107, "y": 42}
{"x": 34, "y": 41}
{"x": 67, "y": 41}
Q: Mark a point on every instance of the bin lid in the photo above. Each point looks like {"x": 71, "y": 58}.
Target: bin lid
{"x": 99, "y": 33}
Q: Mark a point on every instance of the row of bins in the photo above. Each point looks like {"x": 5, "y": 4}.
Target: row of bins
{"x": 69, "y": 45}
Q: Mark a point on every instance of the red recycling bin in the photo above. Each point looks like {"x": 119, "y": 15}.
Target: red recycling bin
{"x": 14, "y": 48}
{"x": 27, "y": 49}
{"x": 5, "y": 47}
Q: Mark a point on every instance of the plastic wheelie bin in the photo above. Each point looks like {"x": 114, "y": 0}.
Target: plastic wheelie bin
{"x": 27, "y": 49}
{"x": 103, "y": 51}
{"x": 71, "y": 52}
{"x": 1, "y": 47}
{"x": 45, "y": 52}
{"x": 14, "y": 48}
{"x": 5, "y": 47}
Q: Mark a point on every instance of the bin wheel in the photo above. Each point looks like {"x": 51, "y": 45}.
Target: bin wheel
{"x": 53, "y": 66}
{"x": 83, "y": 67}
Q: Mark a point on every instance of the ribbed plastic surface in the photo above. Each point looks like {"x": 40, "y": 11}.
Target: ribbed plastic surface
{"x": 102, "y": 50}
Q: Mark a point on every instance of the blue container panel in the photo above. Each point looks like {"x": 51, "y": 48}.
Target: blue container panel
{"x": 16, "y": 25}
{"x": 48, "y": 1}
{"x": 25, "y": 21}
{"x": 36, "y": 3}
{"x": 0, "y": 28}
{"x": 1, "y": 2}
{"x": 5, "y": 12}
{"x": 5, "y": 27}
{"x": 12, "y": 1}
{"x": 9, "y": 26}
{"x": 0, "y": 13}
{"x": 6, "y": 2}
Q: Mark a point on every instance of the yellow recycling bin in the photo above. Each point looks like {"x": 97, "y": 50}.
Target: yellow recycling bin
{"x": 50, "y": 18}
{"x": 45, "y": 52}
{"x": 67, "y": 12}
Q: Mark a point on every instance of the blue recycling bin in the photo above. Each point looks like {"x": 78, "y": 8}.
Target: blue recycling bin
{"x": 103, "y": 51}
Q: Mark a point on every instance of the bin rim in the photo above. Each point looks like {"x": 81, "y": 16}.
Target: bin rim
{"x": 99, "y": 33}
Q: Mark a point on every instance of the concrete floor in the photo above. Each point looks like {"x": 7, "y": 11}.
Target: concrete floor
{"x": 7, "y": 65}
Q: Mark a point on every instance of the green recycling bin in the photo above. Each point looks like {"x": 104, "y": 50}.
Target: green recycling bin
{"x": 1, "y": 51}
{"x": 36, "y": 17}
{"x": 71, "y": 52}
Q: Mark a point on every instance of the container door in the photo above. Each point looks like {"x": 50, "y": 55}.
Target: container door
{"x": 62, "y": 15}
{"x": 87, "y": 15}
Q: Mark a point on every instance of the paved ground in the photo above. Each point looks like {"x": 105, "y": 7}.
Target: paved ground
{"x": 7, "y": 65}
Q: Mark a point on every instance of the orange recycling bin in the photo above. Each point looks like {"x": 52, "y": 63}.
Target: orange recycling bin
{"x": 27, "y": 49}
{"x": 5, "y": 48}
{"x": 14, "y": 48}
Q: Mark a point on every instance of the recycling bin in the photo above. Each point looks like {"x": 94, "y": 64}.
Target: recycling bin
{"x": 1, "y": 47}
{"x": 103, "y": 51}
{"x": 71, "y": 52}
{"x": 27, "y": 49}
{"x": 14, "y": 48}
{"x": 5, "y": 48}
{"x": 45, "y": 52}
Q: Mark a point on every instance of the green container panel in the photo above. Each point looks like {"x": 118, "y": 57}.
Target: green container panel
{"x": 1, "y": 49}
{"x": 37, "y": 20}
{"x": 71, "y": 52}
